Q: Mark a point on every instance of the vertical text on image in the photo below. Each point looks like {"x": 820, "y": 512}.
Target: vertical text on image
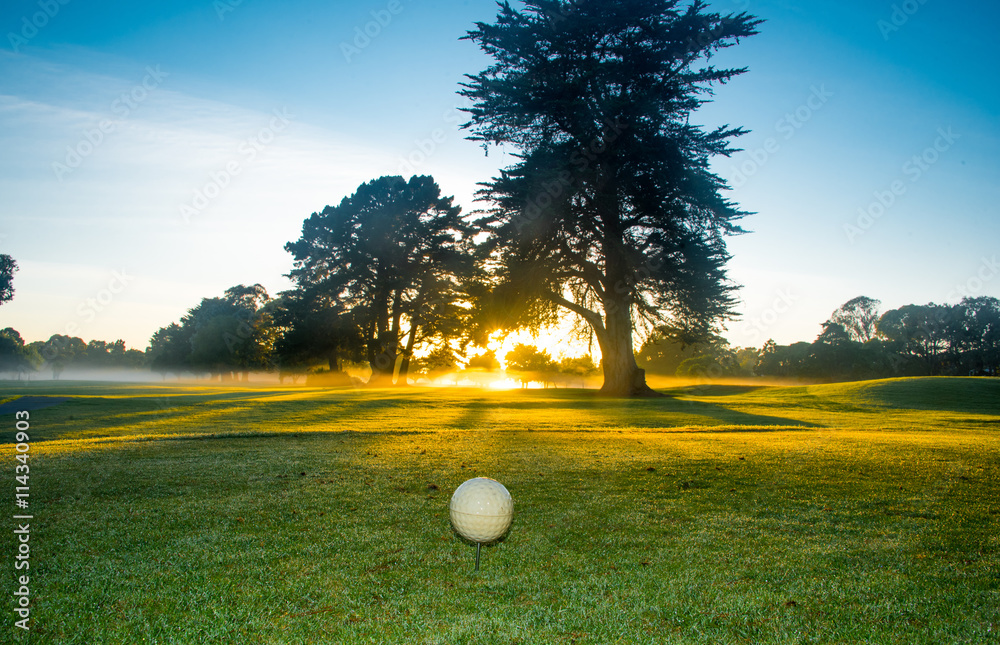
{"x": 22, "y": 556}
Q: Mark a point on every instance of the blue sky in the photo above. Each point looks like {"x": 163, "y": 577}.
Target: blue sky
{"x": 155, "y": 153}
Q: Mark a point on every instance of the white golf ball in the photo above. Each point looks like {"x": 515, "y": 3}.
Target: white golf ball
{"x": 481, "y": 510}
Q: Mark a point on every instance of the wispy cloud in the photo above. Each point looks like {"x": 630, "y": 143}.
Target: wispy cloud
{"x": 121, "y": 203}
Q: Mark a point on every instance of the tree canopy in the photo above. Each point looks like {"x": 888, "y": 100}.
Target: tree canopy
{"x": 395, "y": 253}
{"x": 224, "y": 337}
{"x": 611, "y": 211}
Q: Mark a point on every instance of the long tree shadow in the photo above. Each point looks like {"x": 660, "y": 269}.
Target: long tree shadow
{"x": 579, "y": 409}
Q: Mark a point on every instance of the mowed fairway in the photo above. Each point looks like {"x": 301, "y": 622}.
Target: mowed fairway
{"x": 851, "y": 513}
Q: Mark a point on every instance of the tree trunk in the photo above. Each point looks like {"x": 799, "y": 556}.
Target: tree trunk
{"x": 383, "y": 343}
{"x": 383, "y": 365}
{"x": 404, "y": 365}
{"x": 622, "y": 377}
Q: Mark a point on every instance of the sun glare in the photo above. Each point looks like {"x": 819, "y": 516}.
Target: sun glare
{"x": 505, "y": 384}
{"x": 558, "y": 341}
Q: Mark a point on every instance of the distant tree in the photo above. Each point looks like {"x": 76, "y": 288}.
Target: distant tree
{"x": 835, "y": 355}
{"x": 979, "y": 320}
{"x": 394, "y": 254}
{"x": 96, "y": 354}
{"x": 169, "y": 350}
{"x": 439, "y": 362}
{"x": 134, "y": 359}
{"x": 530, "y": 364}
{"x": 528, "y": 358}
{"x": 859, "y": 317}
{"x": 231, "y": 334}
{"x": 485, "y": 361}
{"x": 578, "y": 365}
{"x": 16, "y": 358}
{"x": 8, "y": 267}
{"x": 60, "y": 351}
{"x": 612, "y": 211}
{"x": 748, "y": 358}
{"x": 715, "y": 360}
{"x": 223, "y": 336}
{"x": 784, "y": 361}
{"x": 668, "y": 346}
{"x": 661, "y": 356}
{"x": 701, "y": 366}
{"x": 919, "y": 333}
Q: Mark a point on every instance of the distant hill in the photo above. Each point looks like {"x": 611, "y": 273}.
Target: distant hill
{"x": 951, "y": 393}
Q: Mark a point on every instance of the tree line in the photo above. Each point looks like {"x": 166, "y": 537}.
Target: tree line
{"x": 245, "y": 330}
{"x": 857, "y": 342}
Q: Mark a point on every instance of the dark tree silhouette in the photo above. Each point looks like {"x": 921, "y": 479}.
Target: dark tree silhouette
{"x": 394, "y": 254}
{"x": 232, "y": 334}
{"x": 611, "y": 211}
{"x": 221, "y": 336}
{"x": 8, "y": 267}
{"x": 312, "y": 328}
{"x": 919, "y": 333}
{"x": 169, "y": 349}
{"x": 981, "y": 324}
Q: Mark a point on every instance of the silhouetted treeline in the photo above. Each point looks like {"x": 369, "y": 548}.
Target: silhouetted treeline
{"x": 246, "y": 330}
{"x": 856, "y": 343}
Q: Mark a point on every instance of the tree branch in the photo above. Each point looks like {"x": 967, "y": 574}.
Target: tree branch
{"x": 592, "y": 317}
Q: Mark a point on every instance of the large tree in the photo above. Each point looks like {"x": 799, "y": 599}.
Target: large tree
{"x": 394, "y": 254}
{"x": 611, "y": 210}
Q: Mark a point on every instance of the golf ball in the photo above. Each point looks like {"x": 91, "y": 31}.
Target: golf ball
{"x": 481, "y": 510}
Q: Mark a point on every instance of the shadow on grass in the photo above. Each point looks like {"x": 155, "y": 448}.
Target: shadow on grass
{"x": 715, "y": 390}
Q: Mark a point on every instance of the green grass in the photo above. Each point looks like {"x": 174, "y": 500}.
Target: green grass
{"x": 847, "y": 513}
